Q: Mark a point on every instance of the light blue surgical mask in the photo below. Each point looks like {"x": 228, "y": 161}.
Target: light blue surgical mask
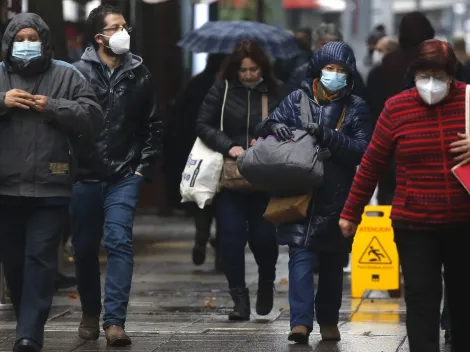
{"x": 26, "y": 50}
{"x": 333, "y": 81}
{"x": 256, "y": 84}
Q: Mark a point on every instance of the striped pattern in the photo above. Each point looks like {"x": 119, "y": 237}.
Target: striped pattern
{"x": 222, "y": 36}
{"x": 419, "y": 135}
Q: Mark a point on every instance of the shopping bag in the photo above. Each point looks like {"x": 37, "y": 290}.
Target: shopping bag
{"x": 286, "y": 210}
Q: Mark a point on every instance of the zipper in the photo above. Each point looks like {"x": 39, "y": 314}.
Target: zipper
{"x": 248, "y": 120}
{"x": 444, "y": 155}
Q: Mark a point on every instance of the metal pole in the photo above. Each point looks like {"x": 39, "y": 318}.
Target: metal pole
{"x": 260, "y": 11}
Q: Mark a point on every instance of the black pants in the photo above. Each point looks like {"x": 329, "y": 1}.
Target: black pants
{"x": 203, "y": 220}
{"x": 422, "y": 254}
{"x": 30, "y": 236}
{"x": 241, "y": 222}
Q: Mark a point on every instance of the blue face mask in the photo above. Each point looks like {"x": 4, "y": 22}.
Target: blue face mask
{"x": 256, "y": 84}
{"x": 26, "y": 51}
{"x": 333, "y": 81}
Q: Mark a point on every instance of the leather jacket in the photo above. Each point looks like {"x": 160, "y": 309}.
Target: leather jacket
{"x": 131, "y": 139}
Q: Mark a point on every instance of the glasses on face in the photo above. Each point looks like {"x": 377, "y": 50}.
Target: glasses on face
{"x": 117, "y": 29}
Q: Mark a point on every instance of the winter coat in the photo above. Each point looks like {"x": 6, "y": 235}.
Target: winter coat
{"x": 131, "y": 139}
{"x": 242, "y": 114}
{"x": 38, "y": 149}
{"x": 320, "y": 230}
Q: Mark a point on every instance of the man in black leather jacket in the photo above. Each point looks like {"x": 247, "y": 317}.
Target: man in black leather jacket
{"x": 112, "y": 168}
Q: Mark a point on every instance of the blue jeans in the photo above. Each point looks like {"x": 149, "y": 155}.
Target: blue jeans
{"x": 105, "y": 210}
{"x": 241, "y": 221}
{"x": 302, "y": 298}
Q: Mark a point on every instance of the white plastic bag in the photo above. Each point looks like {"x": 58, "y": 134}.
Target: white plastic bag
{"x": 201, "y": 176}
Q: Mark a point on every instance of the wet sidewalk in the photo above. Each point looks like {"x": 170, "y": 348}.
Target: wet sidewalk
{"x": 176, "y": 306}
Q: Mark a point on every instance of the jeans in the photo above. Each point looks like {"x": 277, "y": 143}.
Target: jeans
{"x": 241, "y": 221}
{"x": 422, "y": 254}
{"x": 302, "y": 298}
{"x": 105, "y": 210}
{"x": 30, "y": 236}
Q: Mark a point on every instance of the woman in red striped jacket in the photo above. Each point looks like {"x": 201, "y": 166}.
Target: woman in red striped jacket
{"x": 422, "y": 128}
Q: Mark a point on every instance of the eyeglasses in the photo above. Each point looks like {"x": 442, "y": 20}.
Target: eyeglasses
{"x": 117, "y": 28}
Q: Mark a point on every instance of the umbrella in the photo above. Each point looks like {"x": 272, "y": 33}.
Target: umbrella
{"x": 220, "y": 37}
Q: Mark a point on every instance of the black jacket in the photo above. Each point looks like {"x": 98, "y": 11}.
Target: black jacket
{"x": 37, "y": 149}
{"x": 242, "y": 108}
{"x": 131, "y": 138}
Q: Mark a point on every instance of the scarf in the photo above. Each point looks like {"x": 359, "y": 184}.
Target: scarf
{"x": 322, "y": 95}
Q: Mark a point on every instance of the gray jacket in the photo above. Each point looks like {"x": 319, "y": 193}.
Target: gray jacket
{"x": 37, "y": 149}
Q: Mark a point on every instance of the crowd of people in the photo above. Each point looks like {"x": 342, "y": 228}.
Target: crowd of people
{"x": 79, "y": 140}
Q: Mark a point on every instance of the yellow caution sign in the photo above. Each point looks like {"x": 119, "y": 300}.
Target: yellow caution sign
{"x": 374, "y": 260}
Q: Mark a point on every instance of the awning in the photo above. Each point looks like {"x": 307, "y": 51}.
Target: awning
{"x": 300, "y": 4}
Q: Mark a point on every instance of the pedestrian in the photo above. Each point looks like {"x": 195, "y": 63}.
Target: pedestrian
{"x": 45, "y": 105}
{"x": 249, "y": 76}
{"x": 422, "y": 128}
{"x": 344, "y": 129}
{"x": 113, "y": 167}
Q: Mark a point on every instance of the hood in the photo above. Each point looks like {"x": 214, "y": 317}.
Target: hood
{"x": 331, "y": 53}
{"x": 415, "y": 28}
{"x": 130, "y": 60}
{"x": 19, "y": 22}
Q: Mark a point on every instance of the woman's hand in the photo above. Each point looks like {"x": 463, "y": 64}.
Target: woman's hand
{"x": 461, "y": 147}
{"x": 253, "y": 142}
{"x": 17, "y": 98}
{"x": 235, "y": 152}
{"x": 348, "y": 228}
{"x": 282, "y": 132}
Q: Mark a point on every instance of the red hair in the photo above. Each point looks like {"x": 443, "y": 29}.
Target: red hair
{"x": 435, "y": 55}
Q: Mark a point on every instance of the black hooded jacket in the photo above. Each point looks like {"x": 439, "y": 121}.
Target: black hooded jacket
{"x": 37, "y": 149}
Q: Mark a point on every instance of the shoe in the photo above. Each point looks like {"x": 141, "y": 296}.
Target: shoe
{"x": 199, "y": 254}
{"x": 241, "y": 298}
{"x": 265, "y": 297}
{"x": 89, "y": 328}
{"x": 63, "y": 282}
{"x": 26, "y": 345}
{"x": 330, "y": 333}
{"x": 448, "y": 337}
{"x": 116, "y": 336}
{"x": 299, "y": 334}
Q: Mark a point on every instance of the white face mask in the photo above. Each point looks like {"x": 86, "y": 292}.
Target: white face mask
{"x": 120, "y": 42}
{"x": 431, "y": 90}
{"x": 377, "y": 57}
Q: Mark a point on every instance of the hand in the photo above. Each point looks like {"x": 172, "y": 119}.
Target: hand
{"x": 282, "y": 132}
{"x": 315, "y": 130}
{"x": 17, "y": 98}
{"x": 348, "y": 228}
{"x": 253, "y": 142}
{"x": 461, "y": 147}
{"x": 40, "y": 103}
{"x": 235, "y": 152}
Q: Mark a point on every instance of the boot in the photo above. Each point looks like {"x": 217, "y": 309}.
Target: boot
{"x": 265, "y": 297}
{"x": 199, "y": 254}
{"x": 89, "y": 328}
{"x": 330, "y": 333}
{"x": 241, "y": 298}
{"x": 299, "y": 334}
{"x": 116, "y": 336}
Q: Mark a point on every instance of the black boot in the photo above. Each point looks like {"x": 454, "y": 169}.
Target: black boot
{"x": 265, "y": 297}
{"x": 241, "y": 298}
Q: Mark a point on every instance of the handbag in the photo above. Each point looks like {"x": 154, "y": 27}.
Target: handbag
{"x": 287, "y": 168}
{"x": 231, "y": 177}
{"x": 285, "y": 210}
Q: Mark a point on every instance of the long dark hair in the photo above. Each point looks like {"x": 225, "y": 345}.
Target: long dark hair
{"x": 249, "y": 49}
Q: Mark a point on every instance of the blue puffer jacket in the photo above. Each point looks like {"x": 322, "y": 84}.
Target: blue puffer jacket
{"x": 320, "y": 230}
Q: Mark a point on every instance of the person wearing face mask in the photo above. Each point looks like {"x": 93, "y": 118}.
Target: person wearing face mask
{"x": 344, "y": 129}
{"x": 423, "y": 128}
{"x": 112, "y": 169}
{"x": 246, "y": 81}
{"x": 46, "y": 108}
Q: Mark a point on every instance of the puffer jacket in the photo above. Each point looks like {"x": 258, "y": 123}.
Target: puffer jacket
{"x": 320, "y": 230}
{"x": 242, "y": 115}
{"x": 131, "y": 139}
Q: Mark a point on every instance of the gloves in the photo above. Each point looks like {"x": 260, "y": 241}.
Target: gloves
{"x": 316, "y": 131}
{"x": 281, "y": 131}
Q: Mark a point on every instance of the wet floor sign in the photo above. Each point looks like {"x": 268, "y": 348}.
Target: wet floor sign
{"x": 374, "y": 260}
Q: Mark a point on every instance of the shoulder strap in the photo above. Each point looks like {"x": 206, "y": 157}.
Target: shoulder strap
{"x": 264, "y": 107}
{"x": 341, "y": 118}
{"x": 305, "y": 111}
{"x": 223, "y": 107}
{"x": 467, "y": 110}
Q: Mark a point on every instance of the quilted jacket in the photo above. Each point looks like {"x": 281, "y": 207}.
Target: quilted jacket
{"x": 320, "y": 230}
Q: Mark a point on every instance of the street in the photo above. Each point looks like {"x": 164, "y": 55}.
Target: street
{"x": 176, "y": 306}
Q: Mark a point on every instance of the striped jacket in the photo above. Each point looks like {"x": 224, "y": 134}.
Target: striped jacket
{"x": 418, "y": 136}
